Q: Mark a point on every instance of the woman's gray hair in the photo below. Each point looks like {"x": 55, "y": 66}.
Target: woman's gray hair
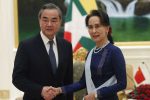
{"x": 50, "y": 6}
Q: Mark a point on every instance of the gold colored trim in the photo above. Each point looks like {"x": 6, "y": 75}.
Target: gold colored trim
{"x": 16, "y": 23}
{"x": 4, "y": 94}
{"x": 139, "y": 43}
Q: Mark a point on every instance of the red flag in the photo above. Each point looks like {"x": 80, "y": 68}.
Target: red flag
{"x": 67, "y": 36}
{"x": 77, "y": 47}
{"x": 139, "y": 77}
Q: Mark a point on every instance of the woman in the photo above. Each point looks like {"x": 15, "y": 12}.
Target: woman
{"x": 105, "y": 72}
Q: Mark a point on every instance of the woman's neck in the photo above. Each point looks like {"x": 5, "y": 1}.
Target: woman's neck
{"x": 101, "y": 44}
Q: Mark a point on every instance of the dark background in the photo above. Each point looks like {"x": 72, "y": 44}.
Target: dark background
{"x": 28, "y": 16}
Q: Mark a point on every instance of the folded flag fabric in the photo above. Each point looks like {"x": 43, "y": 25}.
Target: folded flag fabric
{"x": 139, "y": 77}
{"x": 75, "y": 29}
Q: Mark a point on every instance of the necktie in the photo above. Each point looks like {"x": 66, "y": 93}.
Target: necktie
{"x": 52, "y": 57}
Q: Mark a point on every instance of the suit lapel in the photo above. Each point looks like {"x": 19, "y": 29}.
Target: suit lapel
{"x": 45, "y": 58}
{"x": 60, "y": 52}
{"x": 42, "y": 52}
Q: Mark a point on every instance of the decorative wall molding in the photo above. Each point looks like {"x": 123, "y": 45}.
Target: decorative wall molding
{"x": 4, "y": 94}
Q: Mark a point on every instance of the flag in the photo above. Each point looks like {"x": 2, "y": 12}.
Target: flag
{"x": 145, "y": 72}
{"x": 139, "y": 77}
{"x": 75, "y": 29}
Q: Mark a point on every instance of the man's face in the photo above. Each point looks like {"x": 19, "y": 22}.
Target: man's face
{"x": 50, "y": 22}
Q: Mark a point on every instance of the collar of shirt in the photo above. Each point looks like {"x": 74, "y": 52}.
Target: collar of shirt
{"x": 47, "y": 46}
{"x": 46, "y": 40}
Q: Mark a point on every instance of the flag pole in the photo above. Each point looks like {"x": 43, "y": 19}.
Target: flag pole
{"x": 146, "y": 66}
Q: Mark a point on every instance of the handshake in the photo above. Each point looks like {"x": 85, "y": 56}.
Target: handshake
{"x": 49, "y": 92}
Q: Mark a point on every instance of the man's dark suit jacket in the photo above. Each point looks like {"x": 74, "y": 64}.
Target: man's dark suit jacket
{"x": 32, "y": 68}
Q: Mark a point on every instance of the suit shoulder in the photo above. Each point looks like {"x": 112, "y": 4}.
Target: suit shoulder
{"x": 113, "y": 47}
{"x": 29, "y": 40}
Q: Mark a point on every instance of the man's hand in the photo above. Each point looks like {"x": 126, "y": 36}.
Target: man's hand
{"x": 48, "y": 93}
{"x": 57, "y": 90}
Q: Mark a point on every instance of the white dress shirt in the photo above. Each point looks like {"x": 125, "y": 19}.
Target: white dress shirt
{"x": 47, "y": 46}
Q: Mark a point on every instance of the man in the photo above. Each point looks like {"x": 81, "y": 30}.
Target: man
{"x": 35, "y": 70}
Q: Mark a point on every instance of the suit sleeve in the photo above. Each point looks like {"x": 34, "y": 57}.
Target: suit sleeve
{"x": 75, "y": 86}
{"x": 20, "y": 73}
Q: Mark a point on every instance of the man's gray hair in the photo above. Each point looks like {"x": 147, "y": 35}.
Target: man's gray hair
{"x": 50, "y": 6}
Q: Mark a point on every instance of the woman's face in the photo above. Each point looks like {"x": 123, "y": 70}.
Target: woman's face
{"x": 97, "y": 31}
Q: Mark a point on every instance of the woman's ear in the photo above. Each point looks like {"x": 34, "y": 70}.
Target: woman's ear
{"x": 110, "y": 30}
{"x": 107, "y": 29}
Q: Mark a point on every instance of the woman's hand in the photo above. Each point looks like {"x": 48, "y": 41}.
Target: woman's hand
{"x": 90, "y": 96}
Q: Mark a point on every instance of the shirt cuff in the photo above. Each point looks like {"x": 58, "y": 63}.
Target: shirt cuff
{"x": 63, "y": 90}
{"x": 98, "y": 94}
{"x": 95, "y": 95}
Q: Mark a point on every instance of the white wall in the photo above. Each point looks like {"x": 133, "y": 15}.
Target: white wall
{"x": 135, "y": 55}
{"x": 138, "y": 56}
{"x": 7, "y": 45}
{"x": 6, "y": 42}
